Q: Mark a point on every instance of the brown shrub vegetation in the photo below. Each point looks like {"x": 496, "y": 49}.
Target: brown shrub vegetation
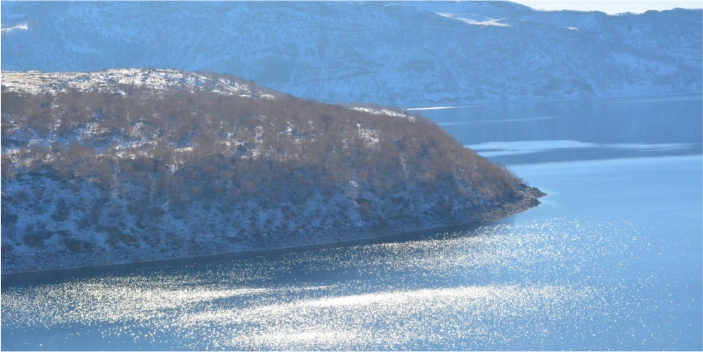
{"x": 179, "y": 145}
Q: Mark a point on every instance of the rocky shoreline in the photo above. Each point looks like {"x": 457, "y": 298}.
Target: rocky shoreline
{"x": 529, "y": 200}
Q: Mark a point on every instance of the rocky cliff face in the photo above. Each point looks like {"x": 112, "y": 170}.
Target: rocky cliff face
{"x": 132, "y": 165}
{"x": 403, "y": 54}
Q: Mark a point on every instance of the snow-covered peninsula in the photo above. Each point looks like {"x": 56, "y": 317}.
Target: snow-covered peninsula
{"x": 129, "y": 165}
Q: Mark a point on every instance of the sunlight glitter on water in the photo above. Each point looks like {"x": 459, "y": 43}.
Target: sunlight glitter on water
{"x": 435, "y": 316}
{"x": 493, "y": 286}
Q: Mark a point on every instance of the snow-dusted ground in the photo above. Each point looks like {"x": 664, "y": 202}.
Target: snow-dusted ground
{"x": 399, "y": 53}
{"x": 382, "y": 111}
{"x": 22, "y": 26}
{"x": 113, "y": 80}
{"x": 51, "y": 222}
{"x": 78, "y": 227}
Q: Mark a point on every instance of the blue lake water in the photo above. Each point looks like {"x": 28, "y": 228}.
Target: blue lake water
{"x": 519, "y": 133}
{"x": 611, "y": 259}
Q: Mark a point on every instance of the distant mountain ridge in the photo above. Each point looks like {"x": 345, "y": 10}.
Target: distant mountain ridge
{"x": 395, "y": 53}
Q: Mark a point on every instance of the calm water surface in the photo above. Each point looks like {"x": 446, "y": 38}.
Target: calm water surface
{"x": 519, "y": 133}
{"x": 610, "y": 260}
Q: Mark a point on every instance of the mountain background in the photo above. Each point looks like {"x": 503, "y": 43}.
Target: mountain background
{"x": 397, "y": 53}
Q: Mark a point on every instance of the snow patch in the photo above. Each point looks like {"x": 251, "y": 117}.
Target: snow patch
{"x": 113, "y": 80}
{"x": 22, "y": 26}
{"x": 370, "y": 136}
{"x": 484, "y": 22}
{"x": 380, "y": 111}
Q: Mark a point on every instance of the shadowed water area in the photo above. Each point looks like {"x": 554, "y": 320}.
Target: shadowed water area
{"x": 611, "y": 259}
{"x": 537, "y": 132}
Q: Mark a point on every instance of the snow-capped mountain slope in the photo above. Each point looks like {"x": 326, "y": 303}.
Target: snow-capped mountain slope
{"x": 404, "y": 54}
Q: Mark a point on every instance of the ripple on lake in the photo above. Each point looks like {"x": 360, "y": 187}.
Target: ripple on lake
{"x": 532, "y": 285}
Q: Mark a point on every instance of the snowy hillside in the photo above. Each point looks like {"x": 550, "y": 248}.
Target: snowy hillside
{"x": 405, "y": 54}
{"x": 132, "y": 165}
{"x": 112, "y": 81}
